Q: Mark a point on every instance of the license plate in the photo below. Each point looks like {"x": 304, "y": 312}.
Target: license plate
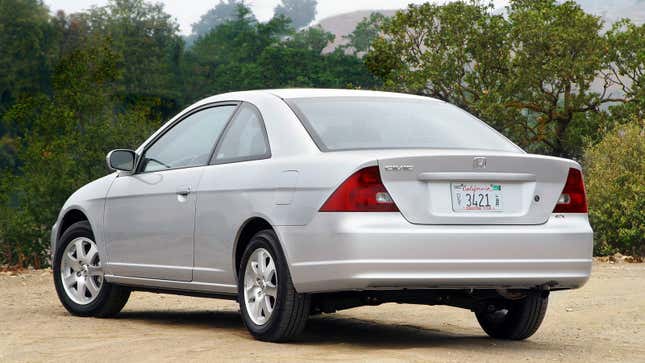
{"x": 477, "y": 197}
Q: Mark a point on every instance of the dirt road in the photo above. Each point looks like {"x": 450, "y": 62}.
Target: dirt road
{"x": 604, "y": 321}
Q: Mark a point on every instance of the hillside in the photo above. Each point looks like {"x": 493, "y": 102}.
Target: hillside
{"x": 343, "y": 24}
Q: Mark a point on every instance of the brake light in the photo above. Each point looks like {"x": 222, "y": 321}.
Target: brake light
{"x": 573, "y": 198}
{"x": 362, "y": 192}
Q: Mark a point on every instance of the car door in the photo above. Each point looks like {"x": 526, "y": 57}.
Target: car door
{"x": 232, "y": 190}
{"x": 150, "y": 215}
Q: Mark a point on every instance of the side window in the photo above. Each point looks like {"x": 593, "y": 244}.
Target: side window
{"x": 188, "y": 143}
{"x": 245, "y": 139}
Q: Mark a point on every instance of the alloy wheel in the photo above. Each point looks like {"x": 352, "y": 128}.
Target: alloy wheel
{"x": 260, "y": 286}
{"x": 81, "y": 271}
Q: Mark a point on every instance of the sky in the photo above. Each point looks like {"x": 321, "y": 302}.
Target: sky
{"x": 188, "y": 12}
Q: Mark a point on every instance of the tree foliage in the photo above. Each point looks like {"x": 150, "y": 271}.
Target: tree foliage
{"x": 245, "y": 54}
{"x": 627, "y": 64}
{"x": 63, "y": 136}
{"x": 28, "y": 44}
{"x": 301, "y": 12}
{"x": 27, "y": 51}
{"x": 360, "y": 40}
{"x": 148, "y": 48}
{"x": 616, "y": 189}
{"x": 222, "y": 12}
{"x": 558, "y": 52}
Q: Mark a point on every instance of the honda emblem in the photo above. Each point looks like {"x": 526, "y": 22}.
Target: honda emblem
{"x": 479, "y": 163}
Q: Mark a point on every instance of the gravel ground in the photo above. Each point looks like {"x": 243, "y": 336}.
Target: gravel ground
{"x": 603, "y": 321}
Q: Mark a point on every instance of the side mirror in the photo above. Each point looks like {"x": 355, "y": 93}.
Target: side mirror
{"x": 121, "y": 159}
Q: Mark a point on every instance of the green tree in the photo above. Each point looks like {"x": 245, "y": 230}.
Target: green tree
{"x": 224, "y": 59}
{"x": 148, "y": 48}
{"x": 27, "y": 51}
{"x": 627, "y": 66}
{"x": 64, "y": 138}
{"x": 301, "y": 12}
{"x": 27, "y": 46}
{"x": 299, "y": 62}
{"x": 245, "y": 54}
{"x": 7, "y": 152}
{"x": 623, "y": 80}
{"x": 360, "y": 40}
{"x": 222, "y": 12}
{"x": 615, "y": 178}
{"x": 558, "y": 52}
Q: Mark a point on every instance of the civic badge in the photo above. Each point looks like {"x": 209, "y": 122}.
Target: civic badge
{"x": 398, "y": 167}
{"x": 479, "y": 163}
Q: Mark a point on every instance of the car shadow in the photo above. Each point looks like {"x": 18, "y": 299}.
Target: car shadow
{"x": 194, "y": 319}
{"x": 334, "y": 330}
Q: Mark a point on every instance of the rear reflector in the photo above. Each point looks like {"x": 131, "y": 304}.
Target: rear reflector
{"x": 362, "y": 192}
{"x": 573, "y": 198}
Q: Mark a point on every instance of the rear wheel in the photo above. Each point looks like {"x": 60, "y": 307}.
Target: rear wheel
{"x": 78, "y": 276}
{"x": 271, "y": 308}
{"x": 518, "y": 320}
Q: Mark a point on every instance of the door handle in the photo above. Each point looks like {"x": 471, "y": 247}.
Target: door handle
{"x": 183, "y": 190}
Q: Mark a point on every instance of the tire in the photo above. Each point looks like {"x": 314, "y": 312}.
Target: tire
{"x": 290, "y": 311}
{"x": 105, "y": 299}
{"x": 519, "y": 321}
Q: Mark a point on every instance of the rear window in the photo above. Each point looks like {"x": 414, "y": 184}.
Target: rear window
{"x": 352, "y": 123}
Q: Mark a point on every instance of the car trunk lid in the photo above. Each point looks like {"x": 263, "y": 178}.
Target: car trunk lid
{"x": 465, "y": 188}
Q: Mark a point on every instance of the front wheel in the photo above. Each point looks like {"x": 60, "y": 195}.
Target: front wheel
{"x": 78, "y": 276}
{"x": 271, "y": 308}
{"x": 517, "y": 320}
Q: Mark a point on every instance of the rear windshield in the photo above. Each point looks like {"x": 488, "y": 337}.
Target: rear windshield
{"x": 351, "y": 123}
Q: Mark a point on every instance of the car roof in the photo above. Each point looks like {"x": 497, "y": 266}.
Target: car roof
{"x": 318, "y": 92}
{"x": 289, "y": 93}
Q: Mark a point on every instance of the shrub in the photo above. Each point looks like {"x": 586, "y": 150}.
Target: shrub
{"x": 615, "y": 173}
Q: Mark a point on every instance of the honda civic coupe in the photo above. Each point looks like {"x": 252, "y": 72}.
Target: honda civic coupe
{"x": 297, "y": 202}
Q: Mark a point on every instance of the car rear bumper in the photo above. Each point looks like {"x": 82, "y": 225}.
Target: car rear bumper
{"x": 360, "y": 251}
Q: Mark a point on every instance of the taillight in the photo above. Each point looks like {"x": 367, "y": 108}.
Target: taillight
{"x": 573, "y": 198}
{"x": 362, "y": 192}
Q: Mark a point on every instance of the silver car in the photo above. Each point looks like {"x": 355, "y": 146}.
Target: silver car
{"x": 305, "y": 201}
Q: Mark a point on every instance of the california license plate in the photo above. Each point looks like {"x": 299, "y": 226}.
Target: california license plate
{"x": 477, "y": 197}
